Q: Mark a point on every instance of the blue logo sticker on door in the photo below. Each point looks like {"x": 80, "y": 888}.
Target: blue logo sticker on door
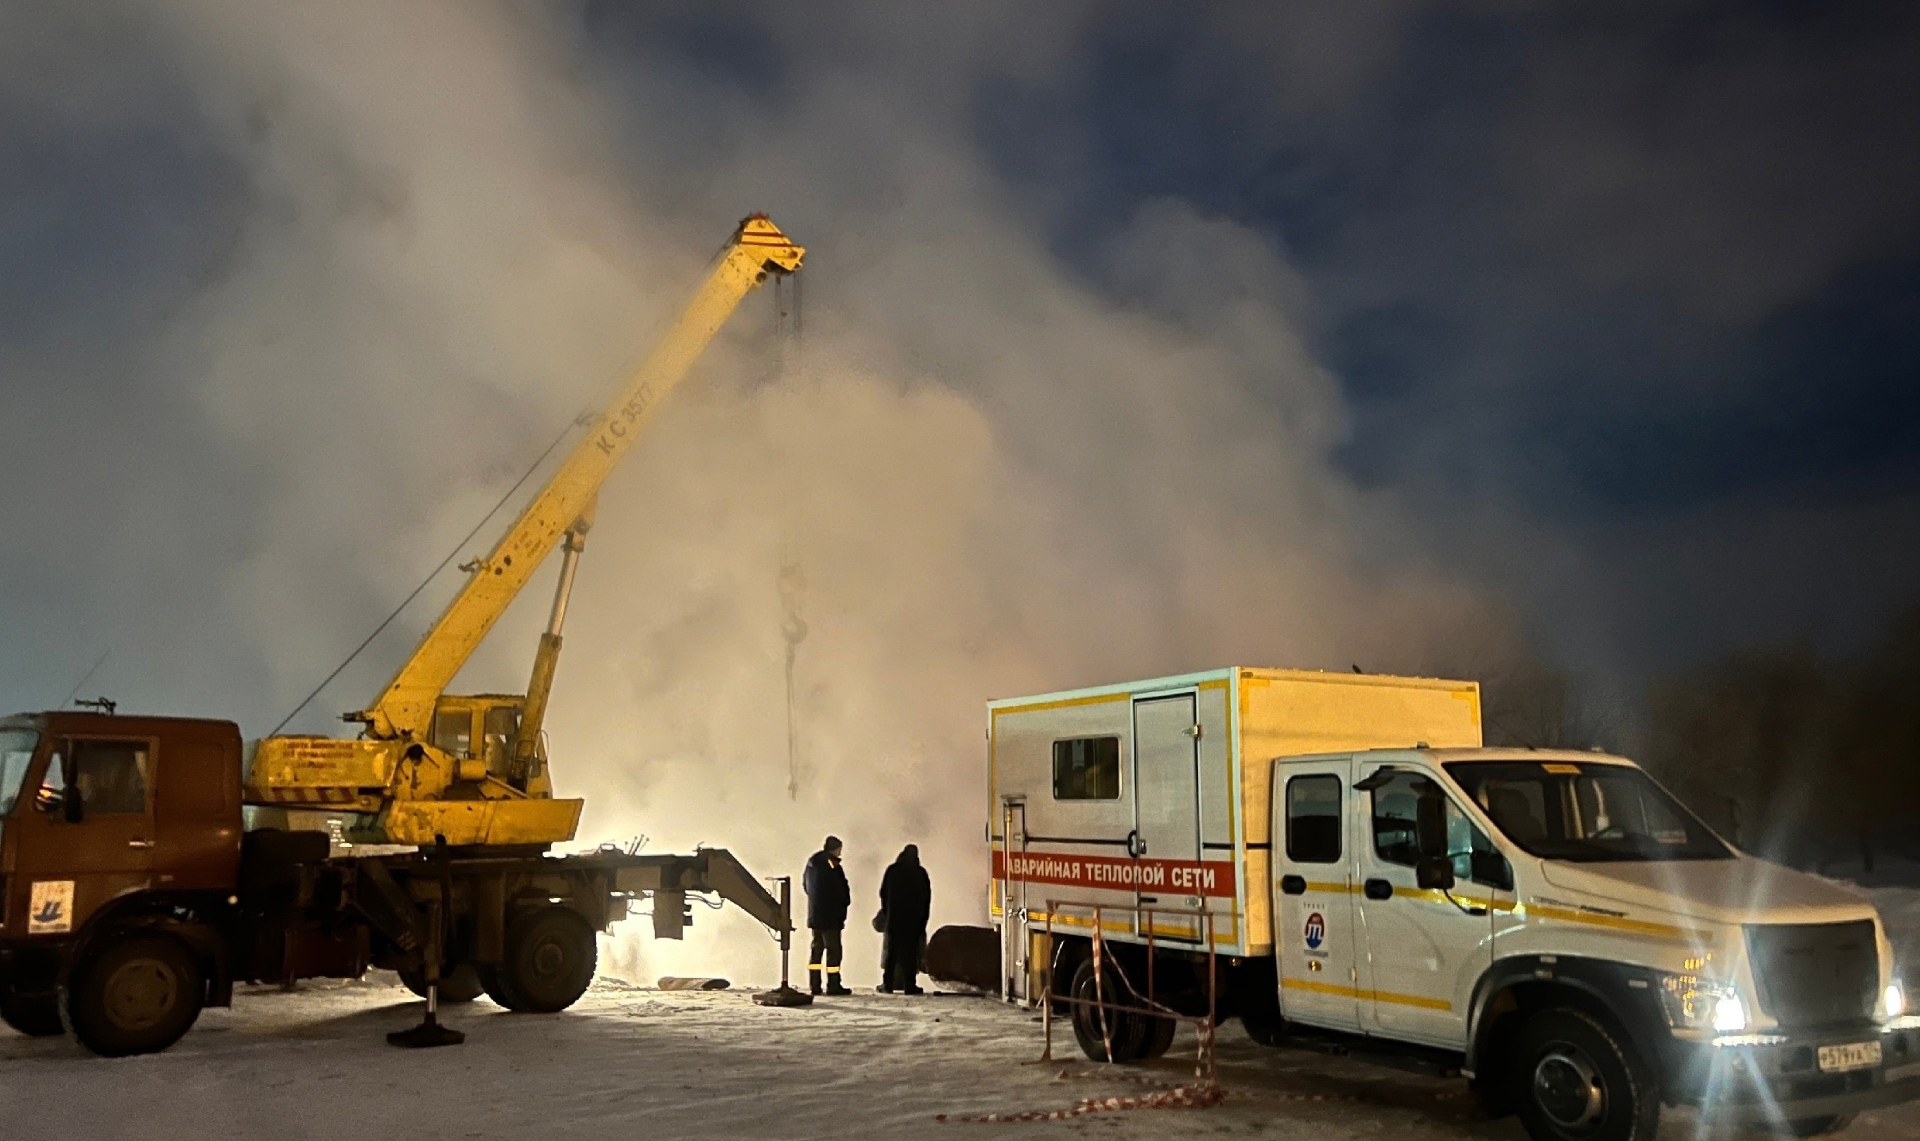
{"x": 1316, "y": 931}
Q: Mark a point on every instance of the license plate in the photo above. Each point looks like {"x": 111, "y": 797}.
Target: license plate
{"x": 1851, "y": 1056}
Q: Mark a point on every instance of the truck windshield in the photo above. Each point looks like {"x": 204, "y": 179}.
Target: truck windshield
{"x": 16, "y": 753}
{"x": 1588, "y": 812}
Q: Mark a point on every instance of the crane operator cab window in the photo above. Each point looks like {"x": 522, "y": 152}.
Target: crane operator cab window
{"x": 502, "y": 725}
{"x": 453, "y": 731}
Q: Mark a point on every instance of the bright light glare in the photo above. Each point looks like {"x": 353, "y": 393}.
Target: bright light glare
{"x": 1729, "y": 1015}
{"x": 1895, "y": 1000}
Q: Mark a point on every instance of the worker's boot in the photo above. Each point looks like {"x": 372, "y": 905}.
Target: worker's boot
{"x": 813, "y": 980}
{"x": 833, "y": 984}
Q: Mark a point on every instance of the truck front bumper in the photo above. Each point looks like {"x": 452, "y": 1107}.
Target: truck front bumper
{"x": 1758, "y": 1078}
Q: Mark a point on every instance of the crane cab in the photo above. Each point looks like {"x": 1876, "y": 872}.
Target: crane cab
{"x": 484, "y": 727}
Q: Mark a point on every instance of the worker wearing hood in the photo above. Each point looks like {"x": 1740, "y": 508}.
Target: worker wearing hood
{"x": 906, "y": 898}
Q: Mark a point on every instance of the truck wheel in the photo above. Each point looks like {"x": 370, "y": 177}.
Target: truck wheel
{"x": 1575, "y": 1079}
{"x": 35, "y": 1015}
{"x": 551, "y": 956}
{"x": 1126, "y": 1031}
{"x": 136, "y": 996}
{"x": 463, "y": 985}
{"x": 1819, "y": 1126}
{"x": 1159, "y": 1038}
{"x": 1261, "y": 1018}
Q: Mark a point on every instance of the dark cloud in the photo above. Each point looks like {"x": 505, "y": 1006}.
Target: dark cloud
{"x": 1732, "y": 157}
{"x": 1585, "y": 273}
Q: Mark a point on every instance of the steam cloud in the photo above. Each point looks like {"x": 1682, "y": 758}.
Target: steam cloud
{"x": 437, "y": 233}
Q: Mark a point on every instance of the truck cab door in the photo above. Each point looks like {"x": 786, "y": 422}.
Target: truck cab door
{"x": 89, "y": 836}
{"x": 1426, "y": 948}
{"x": 1313, "y": 941}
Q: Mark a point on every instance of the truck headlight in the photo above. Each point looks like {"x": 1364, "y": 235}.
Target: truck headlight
{"x": 1696, "y": 1003}
{"x": 1895, "y": 1000}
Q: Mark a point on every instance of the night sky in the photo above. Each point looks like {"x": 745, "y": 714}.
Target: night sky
{"x": 1616, "y": 307}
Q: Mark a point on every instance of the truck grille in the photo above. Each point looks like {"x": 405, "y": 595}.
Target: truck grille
{"x": 1816, "y": 974}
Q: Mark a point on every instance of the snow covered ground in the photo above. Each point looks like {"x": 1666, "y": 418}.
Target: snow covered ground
{"x": 629, "y": 1062}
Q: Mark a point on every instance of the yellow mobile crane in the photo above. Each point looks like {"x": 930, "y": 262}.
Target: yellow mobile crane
{"x": 473, "y": 769}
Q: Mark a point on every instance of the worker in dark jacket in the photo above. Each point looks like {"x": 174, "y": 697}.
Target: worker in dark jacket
{"x": 906, "y": 896}
{"x": 828, "y": 896}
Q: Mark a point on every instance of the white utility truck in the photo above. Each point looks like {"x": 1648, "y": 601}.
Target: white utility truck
{"x": 1553, "y": 925}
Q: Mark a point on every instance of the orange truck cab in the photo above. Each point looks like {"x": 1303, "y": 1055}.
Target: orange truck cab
{"x": 111, "y": 824}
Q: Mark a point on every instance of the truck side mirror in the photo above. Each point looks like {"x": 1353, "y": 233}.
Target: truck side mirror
{"x": 1434, "y": 873}
{"x": 1492, "y": 869}
{"x": 71, "y": 810}
{"x": 1430, "y": 820}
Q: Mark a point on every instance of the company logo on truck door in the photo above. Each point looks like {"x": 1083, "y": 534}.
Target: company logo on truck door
{"x": 1316, "y": 931}
{"x": 1189, "y": 877}
{"x": 50, "y": 908}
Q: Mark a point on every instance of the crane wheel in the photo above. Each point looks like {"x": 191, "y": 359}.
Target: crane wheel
{"x": 35, "y": 1015}
{"x": 462, "y": 984}
{"x": 137, "y": 995}
{"x": 550, "y": 960}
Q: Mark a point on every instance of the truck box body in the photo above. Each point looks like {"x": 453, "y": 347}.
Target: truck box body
{"x": 1156, "y": 793}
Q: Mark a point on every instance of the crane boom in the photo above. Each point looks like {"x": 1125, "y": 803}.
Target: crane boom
{"x": 470, "y": 770}
{"x": 406, "y": 705}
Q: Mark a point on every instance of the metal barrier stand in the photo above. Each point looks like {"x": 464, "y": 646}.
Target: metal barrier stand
{"x": 1204, "y": 1074}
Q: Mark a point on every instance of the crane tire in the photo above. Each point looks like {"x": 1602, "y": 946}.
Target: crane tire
{"x": 550, "y": 960}
{"x": 462, "y": 984}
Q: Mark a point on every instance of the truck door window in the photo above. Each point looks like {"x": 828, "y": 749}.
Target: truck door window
{"x": 51, "y": 796}
{"x": 1395, "y": 829}
{"x": 1086, "y": 768}
{"x": 110, "y": 776}
{"x": 1473, "y": 854}
{"x": 1396, "y": 837}
{"x": 1313, "y": 819}
{"x": 16, "y": 753}
{"x": 453, "y": 731}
